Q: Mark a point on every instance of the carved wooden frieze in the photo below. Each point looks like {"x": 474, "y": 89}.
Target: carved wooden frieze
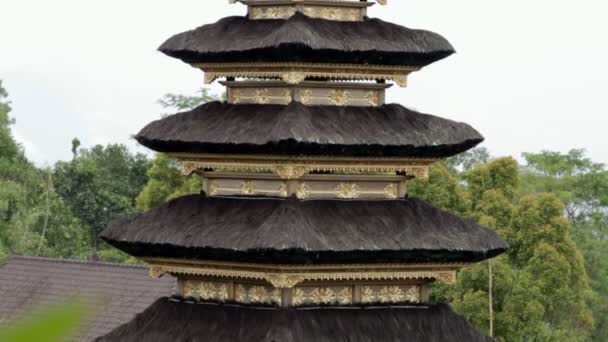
{"x": 338, "y": 10}
{"x": 307, "y": 92}
{"x": 296, "y": 73}
{"x": 306, "y": 187}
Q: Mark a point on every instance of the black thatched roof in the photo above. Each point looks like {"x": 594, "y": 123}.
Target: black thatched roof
{"x": 304, "y": 39}
{"x": 296, "y": 129}
{"x": 174, "y": 321}
{"x": 271, "y": 230}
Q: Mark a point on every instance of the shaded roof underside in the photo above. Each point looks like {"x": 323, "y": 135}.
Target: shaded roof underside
{"x": 307, "y": 40}
{"x": 290, "y": 231}
{"x": 296, "y": 129}
{"x": 172, "y": 320}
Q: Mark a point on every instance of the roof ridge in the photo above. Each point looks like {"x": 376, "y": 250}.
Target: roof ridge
{"x": 70, "y": 261}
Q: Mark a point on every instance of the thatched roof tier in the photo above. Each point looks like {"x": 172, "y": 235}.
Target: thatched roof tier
{"x": 298, "y": 130}
{"x": 290, "y": 231}
{"x": 180, "y": 320}
{"x": 307, "y": 40}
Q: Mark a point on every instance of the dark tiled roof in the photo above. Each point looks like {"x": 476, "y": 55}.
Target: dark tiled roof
{"x": 304, "y": 39}
{"x": 26, "y": 282}
{"x": 390, "y": 131}
{"x": 169, "y": 320}
{"x": 273, "y": 230}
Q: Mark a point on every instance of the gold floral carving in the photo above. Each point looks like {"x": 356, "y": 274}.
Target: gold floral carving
{"x": 275, "y": 296}
{"x": 345, "y": 296}
{"x": 391, "y": 191}
{"x": 248, "y": 188}
{"x": 306, "y": 97}
{"x": 339, "y": 97}
{"x": 274, "y": 12}
{"x": 348, "y": 191}
{"x": 214, "y": 188}
{"x": 303, "y": 191}
{"x": 333, "y": 13}
{"x": 294, "y": 73}
{"x": 413, "y": 294}
{"x": 294, "y": 77}
{"x": 283, "y": 281}
{"x": 323, "y": 295}
{"x": 290, "y": 171}
{"x": 189, "y": 289}
{"x": 410, "y": 167}
{"x": 207, "y": 291}
{"x": 298, "y": 297}
{"x": 284, "y": 276}
{"x": 156, "y": 272}
{"x": 258, "y": 294}
{"x": 391, "y": 294}
{"x": 262, "y": 96}
{"x": 373, "y": 98}
{"x": 367, "y": 295}
{"x": 240, "y": 294}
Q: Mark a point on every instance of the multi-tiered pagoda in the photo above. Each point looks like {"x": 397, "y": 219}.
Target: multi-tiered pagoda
{"x": 303, "y": 230}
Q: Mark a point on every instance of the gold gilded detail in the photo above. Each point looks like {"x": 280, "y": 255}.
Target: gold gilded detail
{"x": 290, "y": 171}
{"x": 368, "y": 295}
{"x": 339, "y": 97}
{"x": 410, "y": 167}
{"x": 258, "y": 294}
{"x": 298, "y": 297}
{"x": 373, "y": 98}
{"x": 306, "y": 97}
{"x": 303, "y": 191}
{"x": 156, "y": 272}
{"x": 348, "y": 191}
{"x": 295, "y": 73}
{"x": 248, "y": 188}
{"x": 391, "y": 191}
{"x": 345, "y": 296}
{"x": 391, "y": 294}
{"x": 323, "y": 295}
{"x": 284, "y": 276}
{"x": 207, "y": 290}
{"x": 189, "y": 289}
{"x": 413, "y": 295}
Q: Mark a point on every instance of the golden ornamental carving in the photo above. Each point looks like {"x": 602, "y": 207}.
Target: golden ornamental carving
{"x": 298, "y": 297}
{"x": 207, "y": 291}
{"x": 288, "y": 276}
{"x": 283, "y": 190}
{"x": 240, "y": 294}
{"x": 248, "y": 188}
{"x": 156, "y": 272}
{"x": 295, "y": 73}
{"x": 189, "y": 168}
{"x": 447, "y": 277}
{"x": 391, "y": 191}
{"x": 283, "y": 281}
{"x": 275, "y": 296}
{"x": 339, "y": 97}
{"x": 368, "y": 295}
{"x": 274, "y": 12}
{"x": 222, "y": 293}
{"x": 413, "y": 294}
{"x": 189, "y": 289}
{"x": 391, "y": 294}
{"x": 373, "y": 98}
{"x": 323, "y": 295}
{"x": 262, "y": 96}
{"x": 294, "y": 77}
{"x": 290, "y": 172}
{"x": 303, "y": 191}
{"x": 345, "y": 296}
{"x": 348, "y": 191}
{"x": 258, "y": 294}
{"x": 306, "y": 97}
{"x": 214, "y": 188}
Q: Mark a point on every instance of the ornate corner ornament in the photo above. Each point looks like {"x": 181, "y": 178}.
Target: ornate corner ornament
{"x": 295, "y": 73}
{"x": 288, "y": 276}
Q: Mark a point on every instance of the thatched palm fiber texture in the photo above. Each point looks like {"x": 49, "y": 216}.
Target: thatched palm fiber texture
{"x": 307, "y": 40}
{"x": 269, "y": 230}
{"x": 174, "y": 321}
{"x": 296, "y": 129}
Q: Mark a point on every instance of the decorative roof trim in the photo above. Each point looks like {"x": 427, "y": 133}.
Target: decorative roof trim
{"x": 297, "y": 167}
{"x": 286, "y": 276}
{"x": 295, "y": 73}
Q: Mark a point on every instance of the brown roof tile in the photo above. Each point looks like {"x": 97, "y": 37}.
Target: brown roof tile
{"x": 26, "y": 282}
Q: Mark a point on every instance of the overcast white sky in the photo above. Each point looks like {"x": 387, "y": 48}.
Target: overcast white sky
{"x": 529, "y": 75}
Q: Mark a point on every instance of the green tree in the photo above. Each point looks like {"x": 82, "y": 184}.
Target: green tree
{"x": 101, "y": 184}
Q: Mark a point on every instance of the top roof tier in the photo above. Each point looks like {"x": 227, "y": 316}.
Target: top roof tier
{"x": 297, "y": 40}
